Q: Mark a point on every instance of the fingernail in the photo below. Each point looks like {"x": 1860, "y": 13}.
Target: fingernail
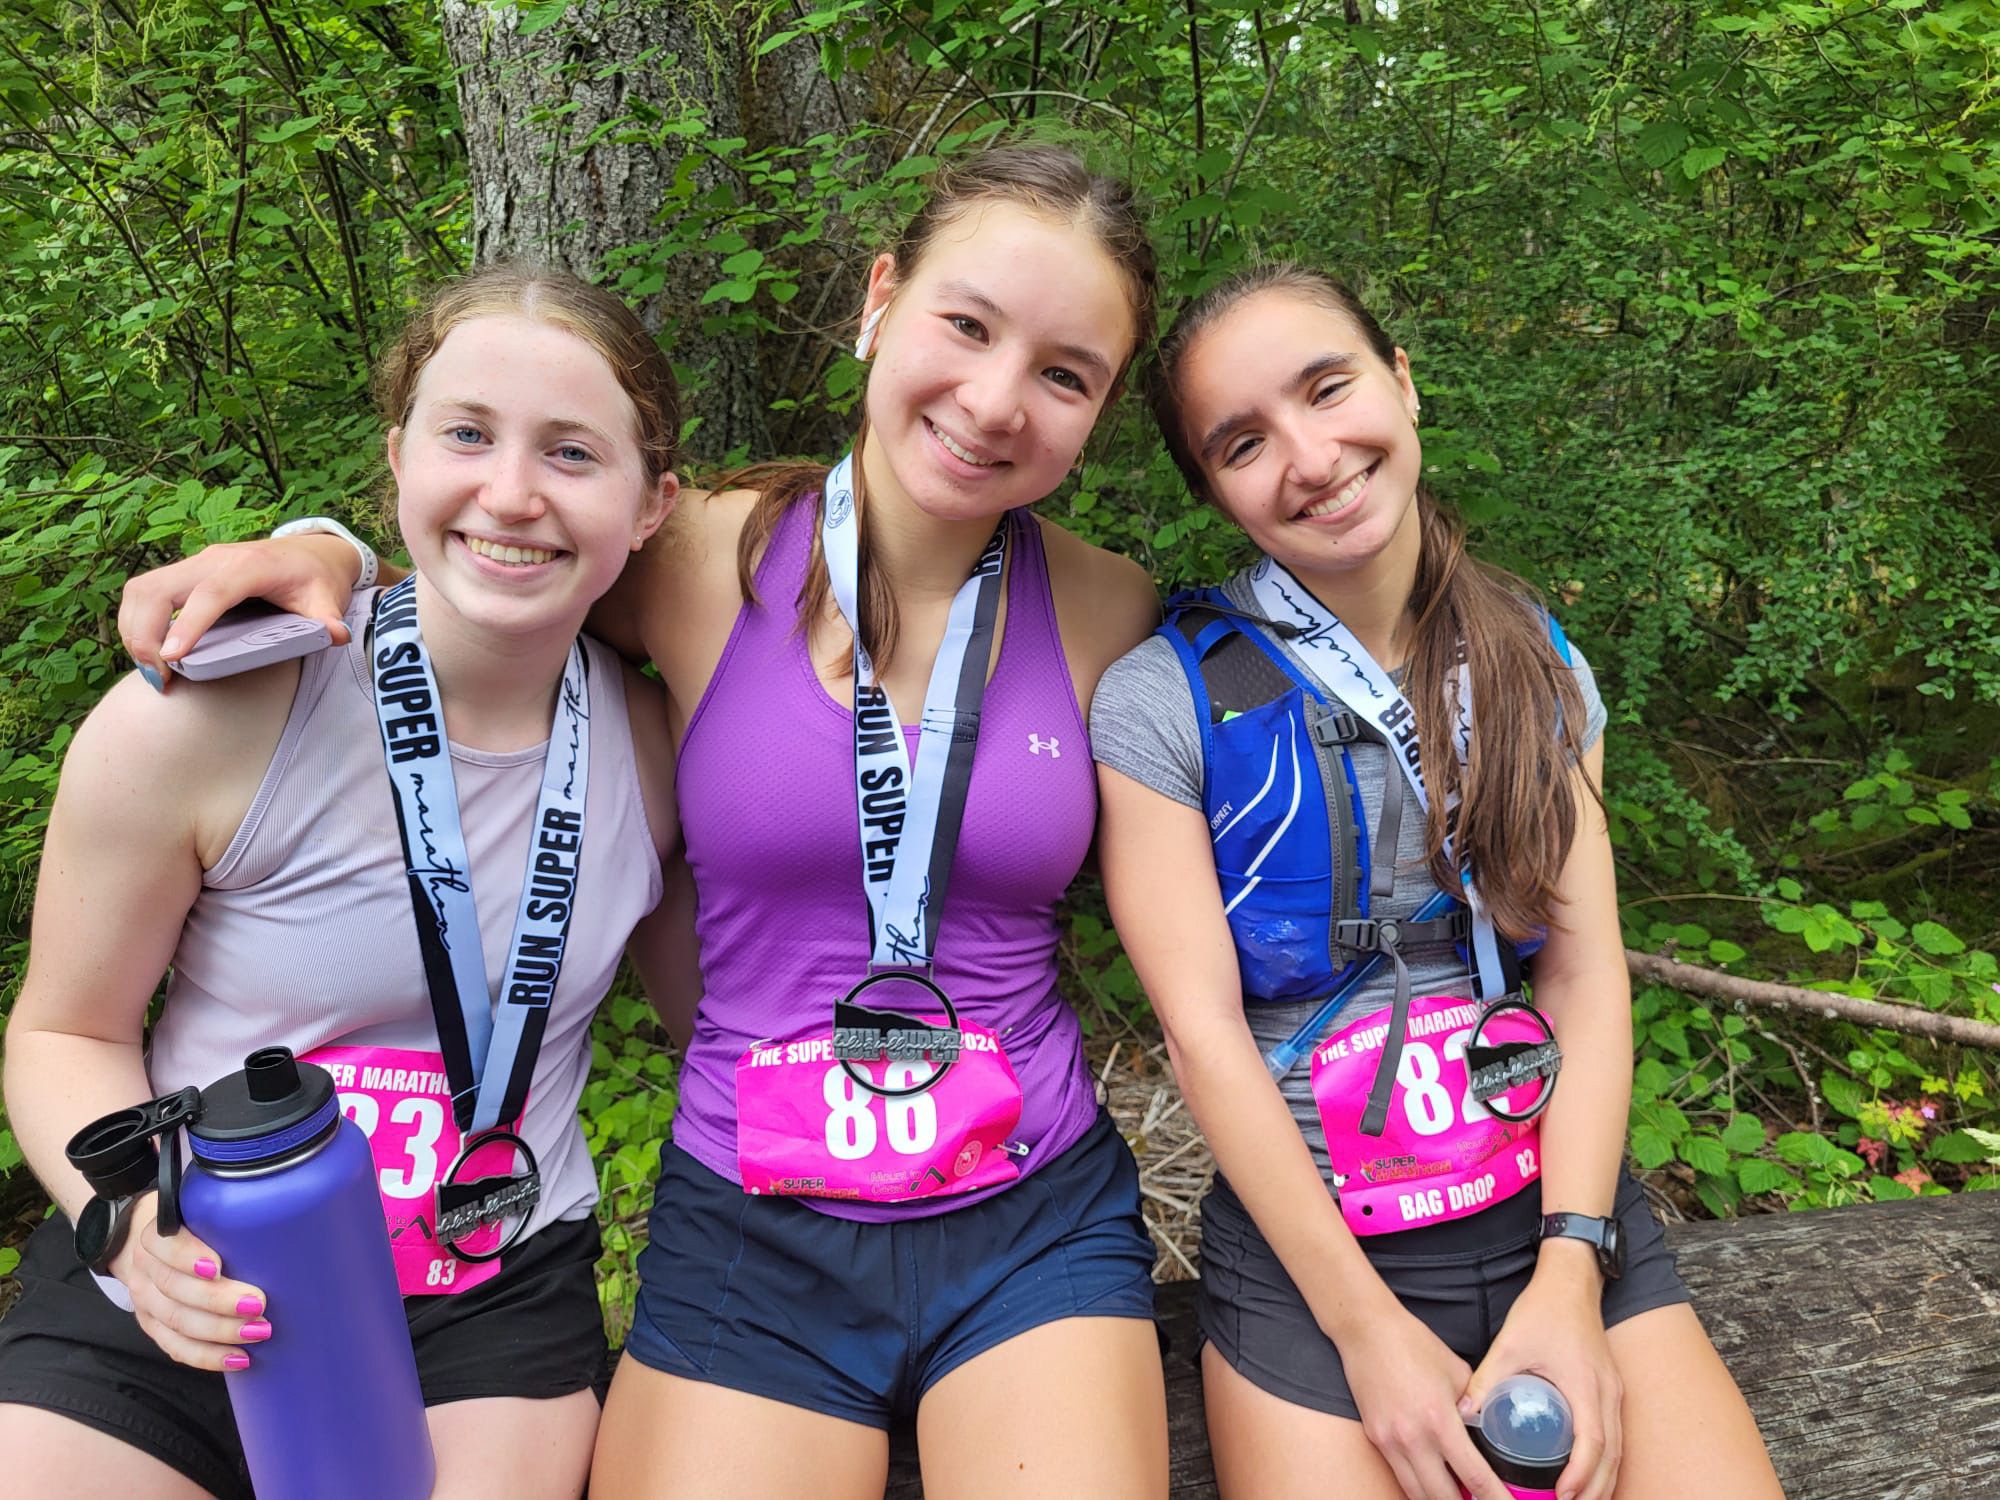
{"x": 206, "y": 1268}
{"x": 249, "y": 1307}
{"x": 171, "y": 646}
{"x": 158, "y": 685}
{"x": 254, "y": 1333}
{"x": 237, "y": 1361}
{"x": 1467, "y": 1410}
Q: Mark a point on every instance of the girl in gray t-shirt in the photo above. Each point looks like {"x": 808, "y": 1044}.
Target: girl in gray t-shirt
{"x": 1291, "y": 771}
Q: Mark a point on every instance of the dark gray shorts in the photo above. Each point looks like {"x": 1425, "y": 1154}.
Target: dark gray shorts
{"x": 1458, "y": 1278}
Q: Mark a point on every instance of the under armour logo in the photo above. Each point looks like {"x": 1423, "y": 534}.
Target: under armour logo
{"x": 1036, "y": 745}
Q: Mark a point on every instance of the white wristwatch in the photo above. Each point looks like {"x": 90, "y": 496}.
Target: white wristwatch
{"x": 371, "y": 566}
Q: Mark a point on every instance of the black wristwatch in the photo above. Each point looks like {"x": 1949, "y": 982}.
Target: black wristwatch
{"x": 1600, "y": 1233}
{"x": 101, "y": 1229}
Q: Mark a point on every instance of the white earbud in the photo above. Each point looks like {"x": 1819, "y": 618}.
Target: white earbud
{"x": 865, "y": 345}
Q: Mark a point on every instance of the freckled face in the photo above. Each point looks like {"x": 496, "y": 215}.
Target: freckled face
{"x": 520, "y": 484}
{"x": 1306, "y": 438}
{"x": 993, "y": 359}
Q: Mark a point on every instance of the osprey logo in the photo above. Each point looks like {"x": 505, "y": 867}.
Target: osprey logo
{"x": 839, "y": 506}
{"x": 1036, "y": 745}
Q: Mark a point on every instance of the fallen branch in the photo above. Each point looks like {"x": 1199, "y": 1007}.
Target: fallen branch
{"x": 1904, "y": 1018}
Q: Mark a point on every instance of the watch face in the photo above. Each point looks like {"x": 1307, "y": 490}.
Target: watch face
{"x": 93, "y": 1231}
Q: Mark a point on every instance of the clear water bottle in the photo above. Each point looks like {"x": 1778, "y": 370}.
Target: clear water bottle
{"x": 282, "y": 1185}
{"x": 1525, "y": 1431}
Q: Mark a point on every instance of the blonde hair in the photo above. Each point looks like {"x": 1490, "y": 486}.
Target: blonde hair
{"x": 562, "y": 301}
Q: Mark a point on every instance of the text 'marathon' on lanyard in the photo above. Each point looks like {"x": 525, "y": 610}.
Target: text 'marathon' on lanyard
{"x": 1342, "y": 665}
{"x": 909, "y": 822}
{"x": 489, "y": 1058}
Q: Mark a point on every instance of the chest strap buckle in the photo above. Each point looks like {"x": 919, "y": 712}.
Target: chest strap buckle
{"x": 1335, "y": 727}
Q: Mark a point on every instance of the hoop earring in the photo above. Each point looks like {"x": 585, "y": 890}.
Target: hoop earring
{"x": 864, "y": 346}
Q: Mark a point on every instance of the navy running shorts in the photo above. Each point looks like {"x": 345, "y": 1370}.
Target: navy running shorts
{"x": 1459, "y": 1278}
{"x": 770, "y": 1296}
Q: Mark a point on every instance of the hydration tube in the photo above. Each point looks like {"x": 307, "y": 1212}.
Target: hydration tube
{"x": 1282, "y": 1058}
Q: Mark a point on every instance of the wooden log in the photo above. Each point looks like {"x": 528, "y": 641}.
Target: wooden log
{"x": 1866, "y": 1339}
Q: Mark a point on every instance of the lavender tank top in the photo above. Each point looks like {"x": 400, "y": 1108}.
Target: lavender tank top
{"x": 303, "y": 937}
{"x": 766, "y": 782}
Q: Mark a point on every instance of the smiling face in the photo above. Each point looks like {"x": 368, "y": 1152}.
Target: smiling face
{"x": 992, "y": 360}
{"x": 1303, "y": 435}
{"x": 521, "y": 487}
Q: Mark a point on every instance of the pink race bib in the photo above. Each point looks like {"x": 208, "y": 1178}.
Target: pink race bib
{"x": 402, "y": 1102}
{"x": 803, "y": 1127}
{"x": 1442, "y": 1155}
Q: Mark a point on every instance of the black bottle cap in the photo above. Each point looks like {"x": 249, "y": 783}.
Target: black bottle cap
{"x": 116, "y": 1154}
{"x": 272, "y": 1094}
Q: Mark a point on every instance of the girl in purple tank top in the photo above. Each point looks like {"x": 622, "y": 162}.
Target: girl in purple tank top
{"x": 245, "y": 831}
{"x": 890, "y": 1189}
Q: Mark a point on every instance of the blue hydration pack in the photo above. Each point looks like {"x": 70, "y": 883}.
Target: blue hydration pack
{"x": 1297, "y": 864}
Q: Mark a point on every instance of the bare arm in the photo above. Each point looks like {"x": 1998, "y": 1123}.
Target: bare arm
{"x": 663, "y": 947}
{"x": 121, "y": 865}
{"x": 1105, "y": 605}
{"x": 1159, "y": 875}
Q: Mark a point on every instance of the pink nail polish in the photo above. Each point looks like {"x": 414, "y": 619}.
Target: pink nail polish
{"x": 206, "y": 1269}
{"x": 253, "y": 1333}
{"x": 249, "y": 1307}
{"x": 236, "y": 1361}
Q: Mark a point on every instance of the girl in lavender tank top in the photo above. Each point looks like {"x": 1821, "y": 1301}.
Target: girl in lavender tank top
{"x": 243, "y": 831}
{"x": 899, "y": 1198}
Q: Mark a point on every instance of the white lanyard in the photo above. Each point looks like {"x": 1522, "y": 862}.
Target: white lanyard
{"x": 909, "y": 823}
{"x": 1342, "y": 666}
{"x": 489, "y": 1059}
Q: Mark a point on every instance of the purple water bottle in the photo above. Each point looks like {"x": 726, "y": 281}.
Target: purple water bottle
{"x": 283, "y": 1187}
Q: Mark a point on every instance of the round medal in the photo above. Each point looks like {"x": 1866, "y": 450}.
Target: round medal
{"x": 480, "y": 1217}
{"x": 864, "y": 1034}
{"x": 1495, "y": 1069}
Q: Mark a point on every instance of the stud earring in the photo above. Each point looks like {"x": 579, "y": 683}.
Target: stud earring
{"x": 864, "y": 346}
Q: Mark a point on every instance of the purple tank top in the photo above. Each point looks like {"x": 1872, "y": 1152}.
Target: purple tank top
{"x": 766, "y": 782}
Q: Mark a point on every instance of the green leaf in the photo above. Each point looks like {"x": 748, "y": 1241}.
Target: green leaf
{"x": 1759, "y": 1176}
{"x": 1888, "y": 1190}
{"x": 1701, "y": 159}
{"x": 1963, "y": 1147}
{"x": 1933, "y": 938}
{"x": 1743, "y": 1134}
{"x": 1724, "y": 952}
{"x": 1705, "y": 1153}
{"x": 1842, "y": 1094}
{"x": 1651, "y": 1147}
{"x": 8, "y": 1260}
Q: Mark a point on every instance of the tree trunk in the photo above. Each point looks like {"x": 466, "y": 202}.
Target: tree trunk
{"x": 545, "y": 189}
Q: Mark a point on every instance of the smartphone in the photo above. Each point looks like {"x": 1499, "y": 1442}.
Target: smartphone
{"x": 251, "y": 635}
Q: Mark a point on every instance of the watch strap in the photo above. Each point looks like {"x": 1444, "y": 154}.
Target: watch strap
{"x": 371, "y": 565}
{"x": 1601, "y": 1234}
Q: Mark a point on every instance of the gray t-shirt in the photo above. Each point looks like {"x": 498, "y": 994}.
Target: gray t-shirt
{"x": 1142, "y": 724}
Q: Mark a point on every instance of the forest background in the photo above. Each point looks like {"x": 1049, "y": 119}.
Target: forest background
{"x": 1701, "y": 299}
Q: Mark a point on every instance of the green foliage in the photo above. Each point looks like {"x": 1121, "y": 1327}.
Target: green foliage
{"x": 1699, "y": 300}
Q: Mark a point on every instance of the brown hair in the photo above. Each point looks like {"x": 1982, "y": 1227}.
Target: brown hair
{"x": 1045, "y": 179}
{"x": 1517, "y": 814}
{"x": 563, "y": 301}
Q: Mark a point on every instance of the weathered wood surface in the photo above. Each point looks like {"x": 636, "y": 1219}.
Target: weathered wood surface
{"x": 1867, "y": 1341}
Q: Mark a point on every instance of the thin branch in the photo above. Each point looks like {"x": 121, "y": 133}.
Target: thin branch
{"x": 1906, "y": 1019}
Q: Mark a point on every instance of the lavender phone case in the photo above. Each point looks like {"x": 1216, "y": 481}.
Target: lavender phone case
{"x": 248, "y": 637}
